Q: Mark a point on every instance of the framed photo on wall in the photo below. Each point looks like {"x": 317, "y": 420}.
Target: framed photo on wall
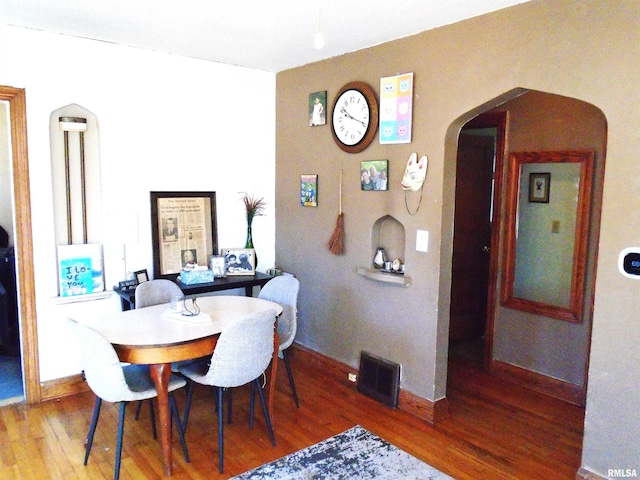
{"x": 374, "y": 175}
{"x": 183, "y": 230}
{"x": 539, "y": 186}
{"x": 317, "y": 108}
{"x": 309, "y": 190}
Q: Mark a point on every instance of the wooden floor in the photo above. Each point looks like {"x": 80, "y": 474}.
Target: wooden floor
{"x": 495, "y": 431}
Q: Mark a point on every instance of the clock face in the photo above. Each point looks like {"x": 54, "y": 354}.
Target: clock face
{"x": 354, "y": 117}
{"x": 351, "y": 117}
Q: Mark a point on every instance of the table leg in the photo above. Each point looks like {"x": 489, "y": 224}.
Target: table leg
{"x": 272, "y": 383}
{"x": 160, "y": 374}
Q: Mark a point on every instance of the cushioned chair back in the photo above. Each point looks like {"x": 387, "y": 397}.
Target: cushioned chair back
{"x": 155, "y": 292}
{"x": 243, "y": 351}
{"x": 100, "y": 363}
{"x": 283, "y": 290}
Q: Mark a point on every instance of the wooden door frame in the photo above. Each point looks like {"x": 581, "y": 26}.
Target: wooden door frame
{"x": 497, "y": 119}
{"x": 23, "y": 241}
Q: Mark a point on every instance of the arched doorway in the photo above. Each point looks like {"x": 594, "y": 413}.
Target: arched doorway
{"x": 533, "y": 350}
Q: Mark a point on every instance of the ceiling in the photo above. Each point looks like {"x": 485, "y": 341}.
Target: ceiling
{"x": 270, "y": 35}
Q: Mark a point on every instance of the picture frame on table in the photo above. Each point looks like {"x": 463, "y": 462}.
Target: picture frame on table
{"x": 192, "y": 215}
{"x": 239, "y": 261}
{"x": 141, "y": 276}
{"x": 539, "y": 187}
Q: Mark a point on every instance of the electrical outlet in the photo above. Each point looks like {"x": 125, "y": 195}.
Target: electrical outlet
{"x": 352, "y": 377}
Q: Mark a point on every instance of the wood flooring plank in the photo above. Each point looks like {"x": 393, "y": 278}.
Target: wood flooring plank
{"x": 494, "y": 431}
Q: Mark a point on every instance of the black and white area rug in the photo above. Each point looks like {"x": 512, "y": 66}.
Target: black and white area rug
{"x": 356, "y": 454}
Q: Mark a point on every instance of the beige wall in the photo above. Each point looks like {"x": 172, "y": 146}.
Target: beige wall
{"x": 588, "y": 50}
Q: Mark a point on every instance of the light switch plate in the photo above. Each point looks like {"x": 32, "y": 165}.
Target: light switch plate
{"x": 422, "y": 241}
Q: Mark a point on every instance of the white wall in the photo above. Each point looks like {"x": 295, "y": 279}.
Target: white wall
{"x": 165, "y": 123}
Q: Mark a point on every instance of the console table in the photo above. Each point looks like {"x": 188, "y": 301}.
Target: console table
{"x": 128, "y": 296}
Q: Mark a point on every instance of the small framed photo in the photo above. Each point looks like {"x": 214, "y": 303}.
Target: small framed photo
{"x": 239, "y": 261}
{"x": 374, "y": 175}
{"x": 309, "y": 190}
{"x": 317, "y": 108}
{"x": 539, "y": 187}
{"x": 141, "y": 276}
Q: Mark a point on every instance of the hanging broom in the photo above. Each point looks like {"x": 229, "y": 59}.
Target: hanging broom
{"x": 336, "y": 242}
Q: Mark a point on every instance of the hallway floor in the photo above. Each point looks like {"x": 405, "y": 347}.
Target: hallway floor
{"x": 11, "y": 390}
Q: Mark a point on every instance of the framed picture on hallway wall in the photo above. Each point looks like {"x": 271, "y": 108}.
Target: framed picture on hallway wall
{"x": 539, "y": 186}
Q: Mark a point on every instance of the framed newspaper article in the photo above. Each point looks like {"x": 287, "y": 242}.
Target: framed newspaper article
{"x": 183, "y": 231}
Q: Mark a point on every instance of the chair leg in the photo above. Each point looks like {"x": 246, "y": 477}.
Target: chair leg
{"x": 265, "y": 410}
{"x": 290, "y": 375}
{"x": 252, "y": 402}
{"x": 138, "y": 409}
{"x": 116, "y": 473}
{"x": 187, "y": 407}
{"x": 152, "y": 415}
{"x": 92, "y": 428}
{"x": 175, "y": 415}
{"x": 220, "y": 431}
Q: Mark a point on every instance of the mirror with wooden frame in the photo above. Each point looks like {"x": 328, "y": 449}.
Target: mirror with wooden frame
{"x": 548, "y": 195}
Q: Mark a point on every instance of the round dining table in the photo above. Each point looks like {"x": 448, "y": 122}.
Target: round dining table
{"x": 156, "y": 336}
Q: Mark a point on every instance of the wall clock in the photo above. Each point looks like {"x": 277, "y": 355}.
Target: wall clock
{"x": 354, "y": 117}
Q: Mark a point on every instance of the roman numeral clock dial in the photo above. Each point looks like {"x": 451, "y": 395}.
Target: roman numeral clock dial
{"x": 354, "y": 117}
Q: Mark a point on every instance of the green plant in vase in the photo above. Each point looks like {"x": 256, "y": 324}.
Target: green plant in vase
{"x": 255, "y": 208}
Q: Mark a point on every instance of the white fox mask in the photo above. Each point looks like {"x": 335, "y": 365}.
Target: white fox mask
{"x": 415, "y": 173}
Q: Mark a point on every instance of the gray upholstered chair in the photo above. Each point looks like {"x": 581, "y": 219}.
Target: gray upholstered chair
{"x": 283, "y": 289}
{"x": 242, "y": 354}
{"x": 112, "y": 382}
{"x": 155, "y": 292}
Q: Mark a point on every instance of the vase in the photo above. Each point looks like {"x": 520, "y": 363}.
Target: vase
{"x": 379, "y": 259}
{"x": 249, "y": 244}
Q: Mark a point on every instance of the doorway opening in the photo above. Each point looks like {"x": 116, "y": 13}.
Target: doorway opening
{"x": 476, "y": 226}
{"x": 11, "y": 389}
{"x": 23, "y": 247}
{"x": 535, "y": 350}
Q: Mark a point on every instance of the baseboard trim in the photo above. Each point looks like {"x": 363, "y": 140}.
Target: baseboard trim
{"x": 63, "y": 387}
{"x": 584, "y": 474}
{"x": 431, "y": 412}
{"x": 553, "y": 387}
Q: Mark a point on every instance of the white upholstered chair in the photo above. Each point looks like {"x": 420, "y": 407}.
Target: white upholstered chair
{"x": 283, "y": 289}
{"x": 242, "y": 354}
{"x": 112, "y": 382}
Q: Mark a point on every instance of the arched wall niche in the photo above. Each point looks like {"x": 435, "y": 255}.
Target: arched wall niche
{"x": 92, "y": 175}
{"x": 387, "y": 233}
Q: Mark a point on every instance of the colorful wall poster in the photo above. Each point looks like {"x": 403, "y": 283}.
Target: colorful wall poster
{"x": 396, "y": 105}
